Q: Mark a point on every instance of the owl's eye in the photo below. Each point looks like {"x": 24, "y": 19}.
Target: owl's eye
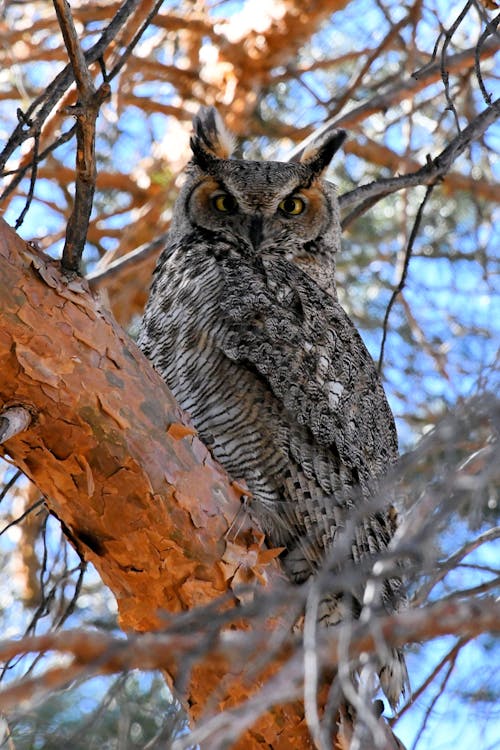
{"x": 292, "y": 206}
{"x": 224, "y": 203}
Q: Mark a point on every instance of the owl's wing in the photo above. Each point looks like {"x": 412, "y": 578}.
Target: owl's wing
{"x": 300, "y": 340}
{"x": 341, "y": 435}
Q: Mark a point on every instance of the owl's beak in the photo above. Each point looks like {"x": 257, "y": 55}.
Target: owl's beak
{"x": 255, "y": 231}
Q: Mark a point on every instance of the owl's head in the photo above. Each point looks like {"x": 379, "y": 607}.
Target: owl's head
{"x": 261, "y": 207}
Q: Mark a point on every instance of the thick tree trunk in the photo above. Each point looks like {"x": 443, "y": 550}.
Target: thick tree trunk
{"x": 121, "y": 467}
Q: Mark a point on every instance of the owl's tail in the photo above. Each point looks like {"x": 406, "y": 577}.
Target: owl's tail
{"x": 393, "y": 676}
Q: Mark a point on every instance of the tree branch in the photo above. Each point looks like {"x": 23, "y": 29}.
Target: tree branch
{"x": 402, "y": 90}
{"x": 404, "y": 273}
{"x": 368, "y": 195}
{"x": 86, "y": 112}
{"x": 102, "y": 653}
{"x": 46, "y": 102}
{"x": 87, "y": 450}
{"x": 81, "y": 73}
{"x": 380, "y": 155}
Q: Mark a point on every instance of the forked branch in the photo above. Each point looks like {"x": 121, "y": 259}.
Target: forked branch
{"x": 367, "y": 195}
{"x": 86, "y": 111}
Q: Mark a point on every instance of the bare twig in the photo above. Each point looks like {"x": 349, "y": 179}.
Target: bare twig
{"x": 76, "y": 593}
{"x": 81, "y": 73}
{"x": 381, "y": 102}
{"x": 367, "y": 195}
{"x": 404, "y": 272}
{"x": 10, "y": 484}
{"x": 448, "y": 35}
{"x": 451, "y": 654}
{"x": 130, "y": 47}
{"x": 491, "y": 28}
{"x": 481, "y": 588}
{"x": 444, "y": 568}
{"x": 32, "y": 164}
{"x": 31, "y": 190}
{"x": 130, "y": 260}
{"x": 86, "y": 112}
{"x": 421, "y": 339}
{"x": 23, "y": 515}
{"x": 354, "y": 84}
{"x": 423, "y": 70}
{"x": 430, "y": 708}
{"x": 45, "y": 103}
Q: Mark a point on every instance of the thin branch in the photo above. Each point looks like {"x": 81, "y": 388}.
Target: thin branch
{"x": 481, "y": 588}
{"x": 45, "y": 103}
{"x": 367, "y": 195}
{"x": 425, "y": 68}
{"x": 443, "y": 60}
{"x": 10, "y": 484}
{"x": 421, "y": 339}
{"x": 439, "y": 693}
{"x": 404, "y": 272}
{"x": 32, "y": 128}
{"x": 20, "y": 171}
{"x": 444, "y": 568}
{"x": 76, "y": 593}
{"x": 31, "y": 190}
{"x": 393, "y": 95}
{"x": 491, "y": 29}
{"x": 479, "y": 568}
{"x": 452, "y": 654}
{"x": 130, "y": 47}
{"x": 86, "y": 112}
{"x": 116, "y": 267}
{"x": 84, "y": 82}
{"x": 17, "y": 520}
{"x": 354, "y": 85}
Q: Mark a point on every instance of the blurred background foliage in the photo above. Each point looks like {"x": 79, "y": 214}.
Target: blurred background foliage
{"x": 402, "y": 79}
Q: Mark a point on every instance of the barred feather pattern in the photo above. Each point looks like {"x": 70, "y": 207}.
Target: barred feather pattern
{"x": 274, "y": 375}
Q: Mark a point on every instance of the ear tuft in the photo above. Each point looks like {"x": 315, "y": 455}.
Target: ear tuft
{"x": 210, "y": 138}
{"x": 318, "y": 152}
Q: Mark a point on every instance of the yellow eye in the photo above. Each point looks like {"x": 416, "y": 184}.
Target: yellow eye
{"x": 292, "y": 206}
{"x": 224, "y": 203}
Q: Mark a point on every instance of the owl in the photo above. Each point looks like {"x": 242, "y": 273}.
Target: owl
{"x": 244, "y": 326}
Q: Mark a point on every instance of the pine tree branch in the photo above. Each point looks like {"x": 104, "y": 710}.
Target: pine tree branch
{"x": 104, "y": 653}
{"x": 86, "y": 112}
{"x": 38, "y": 111}
{"x": 367, "y": 195}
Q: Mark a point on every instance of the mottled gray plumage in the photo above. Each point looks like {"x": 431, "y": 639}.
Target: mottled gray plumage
{"x": 244, "y": 325}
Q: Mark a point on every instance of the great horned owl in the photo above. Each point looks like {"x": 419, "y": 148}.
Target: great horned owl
{"x": 244, "y": 325}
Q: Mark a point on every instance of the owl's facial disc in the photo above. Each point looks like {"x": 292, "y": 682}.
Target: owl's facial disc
{"x": 243, "y": 206}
